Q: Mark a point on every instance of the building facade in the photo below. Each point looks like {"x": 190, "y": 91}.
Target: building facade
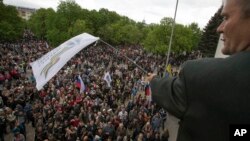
{"x": 24, "y": 12}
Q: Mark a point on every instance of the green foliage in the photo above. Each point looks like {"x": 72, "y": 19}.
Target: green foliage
{"x": 69, "y": 10}
{"x": 11, "y": 26}
{"x": 156, "y": 39}
{"x": 70, "y": 20}
{"x": 102, "y": 18}
{"x": 78, "y": 27}
{"x": 210, "y": 37}
{"x": 54, "y": 36}
{"x": 124, "y": 32}
{"x": 56, "y": 27}
{"x": 185, "y": 38}
{"x": 41, "y": 21}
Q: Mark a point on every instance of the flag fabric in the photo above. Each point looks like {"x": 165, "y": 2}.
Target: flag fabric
{"x": 148, "y": 92}
{"x": 48, "y": 65}
{"x": 46, "y": 44}
{"x": 169, "y": 70}
{"x": 107, "y": 78}
{"x": 80, "y": 84}
{"x": 77, "y": 83}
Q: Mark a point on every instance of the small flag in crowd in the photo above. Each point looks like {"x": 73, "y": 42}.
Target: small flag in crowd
{"x": 148, "y": 92}
{"x": 107, "y": 78}
{"x": 168, "y": 70}
{"x": 47, "y": 46}
{"x": 80, "y": 84}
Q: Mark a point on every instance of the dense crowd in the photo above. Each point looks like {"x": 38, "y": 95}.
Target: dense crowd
{"x": 122, "y": 111}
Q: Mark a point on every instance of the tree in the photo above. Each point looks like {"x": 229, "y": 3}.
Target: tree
{"x": 56, "y": 27}
{"x": 70, "y": 10}
{"x": 11, "y": 25}
{"x": 124, "y": 32}
{"x": 70, "y": 20}
{"x": 41, "y": 21}
{"x": 182, "y": 40}
{"x": 210, "y": 37}
{"x": 156, "y": 40}
{"x": 102, "y": 19}
{"x": 78, "y": 28}
{"x": 196, "y": 34}
{"x": 185, "y": 38}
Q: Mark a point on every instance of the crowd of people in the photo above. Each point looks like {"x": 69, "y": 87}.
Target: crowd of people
{"x": 122, "y": 111}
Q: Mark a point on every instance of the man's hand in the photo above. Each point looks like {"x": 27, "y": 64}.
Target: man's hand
{"x": 149, "y": 77}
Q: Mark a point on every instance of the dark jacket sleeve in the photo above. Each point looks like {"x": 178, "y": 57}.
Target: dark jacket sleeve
{"x": 170, "y": 94}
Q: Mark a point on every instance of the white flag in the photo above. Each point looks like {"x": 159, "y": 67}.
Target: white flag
{"x": 107, "y": 78}
{"x": 46, "y": 44}
{"x": 48, "y": 65}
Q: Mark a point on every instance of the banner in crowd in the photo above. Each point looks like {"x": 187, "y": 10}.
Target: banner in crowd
{"x": 48, "y": 65}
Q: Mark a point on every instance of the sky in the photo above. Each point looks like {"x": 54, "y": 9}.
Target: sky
{"x": 152, "y": 11}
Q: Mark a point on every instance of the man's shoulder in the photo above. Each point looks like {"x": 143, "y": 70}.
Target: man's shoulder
{"x": 200, "y": 63}
{"x": 202, "y": 67}
{"x": 236, "y": 58}
{"x": 217, "y": 65}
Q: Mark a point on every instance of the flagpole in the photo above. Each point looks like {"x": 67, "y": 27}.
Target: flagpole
{"x": 144, "y": 71}
{"x": 171, "y": 37}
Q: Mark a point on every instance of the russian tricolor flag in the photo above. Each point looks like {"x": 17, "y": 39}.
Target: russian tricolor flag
{"x": 80, "y": 84}
{"x": 148, "y": 92}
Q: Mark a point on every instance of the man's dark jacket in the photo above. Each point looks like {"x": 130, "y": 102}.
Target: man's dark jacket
{"x": 208, "y": 96}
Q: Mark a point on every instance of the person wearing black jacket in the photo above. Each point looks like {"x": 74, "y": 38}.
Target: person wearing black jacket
{"x": 211, "y": 94}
